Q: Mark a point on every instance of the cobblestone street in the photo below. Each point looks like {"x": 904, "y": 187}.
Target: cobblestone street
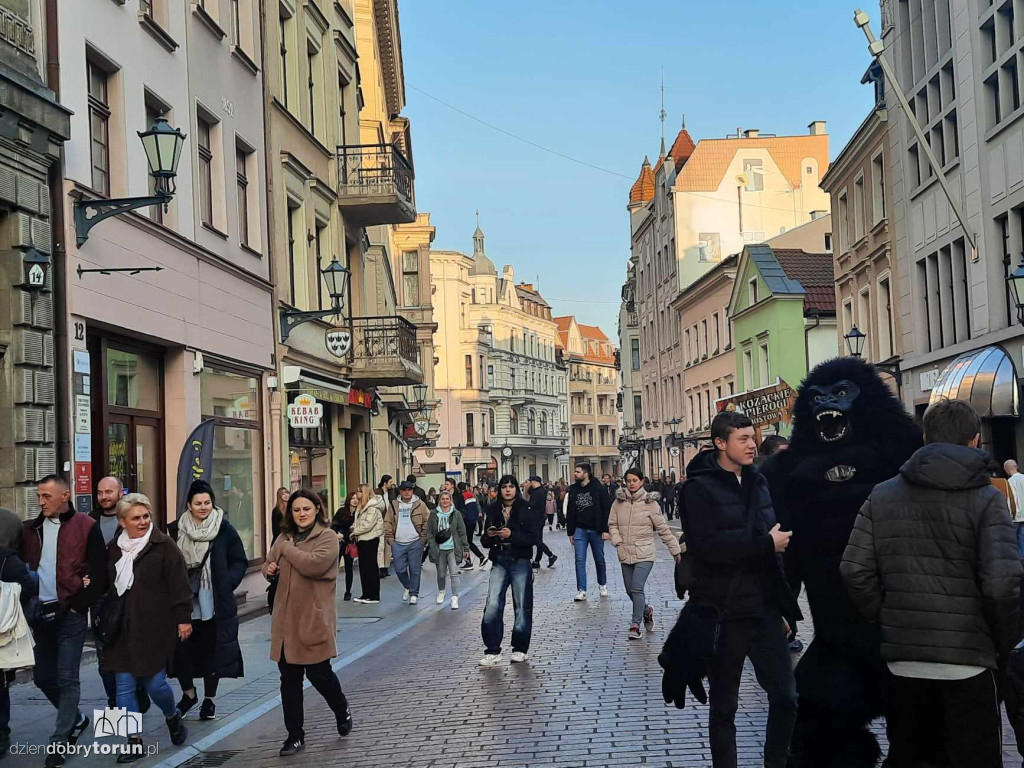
{"x": 588, "y": 696}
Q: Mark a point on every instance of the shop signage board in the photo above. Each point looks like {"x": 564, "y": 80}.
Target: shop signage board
{"x": 305, "y": 412}
{"x": 338, "y": 342}
{"x": 764, "y": 406}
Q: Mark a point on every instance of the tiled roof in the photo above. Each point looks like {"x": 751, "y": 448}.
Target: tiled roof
{"x": 791, "y": 272}
{"x": 811, "y": 269}
{"x": 591, "y": 332}
{"x": 588, "y": 333}
{"x": 643, "y": 188}
{"x": 527, "y": 291}
{"x": 708, "y": 163}
{"x": 682, "y": 149}
{"x": 821, "y": 298}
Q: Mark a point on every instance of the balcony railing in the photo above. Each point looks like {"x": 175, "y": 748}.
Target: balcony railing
{"x": 384, "y": 351}
{"x": 376, "y": 184}
{"x": 632, "y": 321}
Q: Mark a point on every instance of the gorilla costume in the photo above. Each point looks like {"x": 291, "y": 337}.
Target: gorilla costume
{"x": 849, "y": 434}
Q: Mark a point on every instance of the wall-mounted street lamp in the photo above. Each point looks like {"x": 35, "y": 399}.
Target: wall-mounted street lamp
{"x": 457, "y": 454}
{"x": 162, "y": 145}
{"x": 673, "y": 424}
{"x": 855, "y": 341}
{"x": 1016, "y": 282}
{"x": 420, "y": 391}
{"x": 336, "y": 277}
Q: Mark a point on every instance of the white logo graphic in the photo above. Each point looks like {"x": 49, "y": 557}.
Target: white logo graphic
{"x": 116, "y": 722}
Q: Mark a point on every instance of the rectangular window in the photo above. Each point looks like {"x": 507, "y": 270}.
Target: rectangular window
{"x": 858, "y": 209}
{"x": 469, "y": 371}
{"x": 313, "y": 61}
{"x": 765, "y": 365}
{"x": 297, "y": 277}
{"x": 490, "y": 376}
{"x": 318, "y": 245}
{"x": 704, "y": 331}
{"x": 288, "y": 51}
{"x": 848, "y": 321}
{"x": 638, "y": 410}
{"x": 411, "y": 277}
{"x": 236, "y": 23}
{"x": 877, "y": 188}
{"x": 752, "y": 292}
{"x": 482, "y": 371}
{"x": 242, "y": 183}
{"x": 205, "y": 150}
{"x": 470, "y": 432}
{"x": 634, "y": 348}
{"x": 844, "y": 223}
{"x": 716, "y": 333}
{"x": 748, "y": 369}
{"x": 886, "y": 342}
{"x": 864, "y": 319}
{"x": 99, "y": 127}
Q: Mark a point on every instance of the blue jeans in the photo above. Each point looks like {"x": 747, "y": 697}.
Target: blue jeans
{"x": 408, "y": 564}
{"x": 58, "y": 656}
{"x": 157, "y": 687}
{"x": 519, "y": 574}
{"x": 580, "y": 539}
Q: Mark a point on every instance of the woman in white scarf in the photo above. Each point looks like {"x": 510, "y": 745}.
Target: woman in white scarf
{"x": 217, "y": 563}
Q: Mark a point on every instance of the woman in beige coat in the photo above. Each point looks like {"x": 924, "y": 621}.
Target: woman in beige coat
{"x": 368, "y": 534}
{"x": 635, "y": 518}
{"x": 303, "y": 626}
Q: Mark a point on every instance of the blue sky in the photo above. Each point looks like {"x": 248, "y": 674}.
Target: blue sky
{"x": 582, "y": 77}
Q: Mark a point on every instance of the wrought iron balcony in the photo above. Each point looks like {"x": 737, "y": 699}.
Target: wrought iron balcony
{"x": 384, "y": 352}
{"x": 375, "y": 185}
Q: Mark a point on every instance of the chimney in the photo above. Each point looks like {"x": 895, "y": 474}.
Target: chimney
{"x": 751, "y": 133}
{"x": 817, "y": 128}
{"x": 815, "y": 215}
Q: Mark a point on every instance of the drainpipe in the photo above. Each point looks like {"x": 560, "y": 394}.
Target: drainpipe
{"x": 807, "y": 337}
{"x": 55, "y": 182}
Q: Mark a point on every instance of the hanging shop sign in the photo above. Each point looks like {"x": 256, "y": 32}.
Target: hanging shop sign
{"x": 768, "y": 405}
{"x": 305, "y": 412}
{"x": 338, "y": 342}
{"x": 360, "y": 397}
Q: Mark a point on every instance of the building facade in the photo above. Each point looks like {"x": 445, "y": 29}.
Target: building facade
{"x": 594, "y": 420}
{"x": 154, "y": 353}
{"x": 959, "y": 66}
{"x": 501, "y": 388}
{"x": 35, "y": 126}
{"x": 630, "y": 365}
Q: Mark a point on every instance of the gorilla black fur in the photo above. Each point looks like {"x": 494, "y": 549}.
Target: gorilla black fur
{"x": 849, "y": 434}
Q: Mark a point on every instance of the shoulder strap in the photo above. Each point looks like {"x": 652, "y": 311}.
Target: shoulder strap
{"x": 751, "y": 514}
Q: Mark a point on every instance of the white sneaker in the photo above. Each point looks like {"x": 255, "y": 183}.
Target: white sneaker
{"x": 358, "y": 600}
{"x": 455, "y": 602}
{"x": 580, "y": 596}
{"x": 604, "y": 591}
{"x": 518, "y": 657}
{"x": 490, "y": 660}
{"x": 405, "y": 597}
{"x": 413, "y": 600}
{"x": 440, "y": 598}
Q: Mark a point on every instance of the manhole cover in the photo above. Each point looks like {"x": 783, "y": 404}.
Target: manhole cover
{"x": 212, "y": 759}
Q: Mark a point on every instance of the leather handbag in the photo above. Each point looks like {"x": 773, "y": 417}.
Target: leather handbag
{"x": 108, "y": 625}
{"x": 195, "y": 573}
{"x": 351, "y": 550}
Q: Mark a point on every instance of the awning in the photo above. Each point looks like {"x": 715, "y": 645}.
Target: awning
{"x": 324, "y": 388}
{"x": 986, "y": 378}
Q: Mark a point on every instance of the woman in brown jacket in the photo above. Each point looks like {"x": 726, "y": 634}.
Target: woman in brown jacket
{"x": 304, "y": 562}
{"x": 148, "y": 579}
{"x": 634, "y": 519}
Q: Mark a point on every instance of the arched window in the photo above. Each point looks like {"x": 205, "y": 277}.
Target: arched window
{"x": 513, "y": 422}
{"x": 543, "y": 422}
{"x": 531, "y": 422}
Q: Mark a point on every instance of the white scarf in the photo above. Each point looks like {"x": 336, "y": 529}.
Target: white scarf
{"x": 125, "y": 567}
{"x": 194, "y": 536}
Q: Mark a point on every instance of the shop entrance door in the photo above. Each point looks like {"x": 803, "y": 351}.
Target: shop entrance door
{"x": 133, "y": 454}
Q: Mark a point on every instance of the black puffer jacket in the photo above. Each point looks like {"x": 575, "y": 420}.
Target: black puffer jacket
{"x": 526, "y": 527}
{"x": 933, "y": 558}
{"x": 715, "y": 505}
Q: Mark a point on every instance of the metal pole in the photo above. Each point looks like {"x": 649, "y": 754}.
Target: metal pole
{"x": 877, "y": 49}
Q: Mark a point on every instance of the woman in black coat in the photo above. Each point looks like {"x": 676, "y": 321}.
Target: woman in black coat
{"x": 12, "y": 570}
{"x": 214, "y": 553}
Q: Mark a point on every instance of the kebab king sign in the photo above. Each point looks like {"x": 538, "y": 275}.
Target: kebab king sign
{"x": 305, "y": 412}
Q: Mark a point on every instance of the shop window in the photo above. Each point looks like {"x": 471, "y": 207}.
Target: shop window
{"x": 133, "y": 380}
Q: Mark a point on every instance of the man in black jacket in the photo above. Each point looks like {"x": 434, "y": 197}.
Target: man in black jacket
{"x": 587, "y": 525}
{"x": 933, "y": 559}
{"x": 512, "y": 529}
{"x": 735, "y": 542}
{"x": 538, "y": 503}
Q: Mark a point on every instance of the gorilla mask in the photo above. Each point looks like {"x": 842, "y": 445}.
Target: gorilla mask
{"x": 832, "y": 406}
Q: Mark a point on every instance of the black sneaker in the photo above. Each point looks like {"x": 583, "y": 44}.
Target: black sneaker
{"x": 55, "y": 760}
{"x": 186, "y": 702}
{"x": 796, "y": 645}
{"x": 79, "y": 729}
{"x": 208, "y": 711}
{"x": 292, "y": 747}
{"x": 552, "y": 560}
{"x": 345, "y": 724}
{"x": 177, "y": 729}
{"x": 132, "y": 751}
{"x": 536, "y": 565}
{"x": 348, "y": 596}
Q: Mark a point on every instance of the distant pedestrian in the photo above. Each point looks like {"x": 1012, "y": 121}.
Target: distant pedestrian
{"x": 386, "y": 489}
{"x": 1016, "y": 481}
{"x": 550, "y": 508}
{"x": 368, "y": 534}
{"x": 17, "y": 652}
{"x": 432, "y": 498}
{"x": 277, "y": 513}
{"x": 418, "y": 492}
{"x": 512, "y": 531}
{"x": 587, "y": 525}
{"x": 216, "y": 563}
{"x": 610, "y": 486}
{"x": 634, "y": 519}
{"x": 471, "y": 516}
{"x": 933, "y": 559}
{"x": 147, "y": 575}
{"x": 405, "y": 530}
{"x": 537, "y": 498}
{"x": 447, "y": 544}
{"x": 341, "y": 524}
{"x": 304, "y": 624}
{"x": 561, "y": 503}
{"x": 65, "y": 549}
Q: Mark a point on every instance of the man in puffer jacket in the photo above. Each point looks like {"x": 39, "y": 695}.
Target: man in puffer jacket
{"x": 933, "y": 559}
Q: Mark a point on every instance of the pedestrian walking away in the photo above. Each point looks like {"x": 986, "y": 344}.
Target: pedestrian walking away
{"x": 18, "y": 586}
{"x": 341, "y": 524}
{"x": 512, "y": 530}
{"x": 634, "y": 519}
{"x": 446, "y": 544}
{"x": 1016, "y": 482}
{"x": 470, "y": 516}
{"x": 65, "y": 549}
{"x": 216, "y": 563}
{"x": 550, "y": 508}
{"x": 304, "y": 624}
{"x": 738, "y": 588}
{"x": 947, "y": 623}
{"x": 587, "y": 524}
{"x": 405, "y": 530}
{"x": 368, "y": 535}
{"x": 538, "y": 500}
{"x": 149, "y": 610}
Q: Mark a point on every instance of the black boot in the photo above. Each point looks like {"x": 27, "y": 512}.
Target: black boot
{"x": 132, "y": 751}
{"x": 177, "y": 729}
